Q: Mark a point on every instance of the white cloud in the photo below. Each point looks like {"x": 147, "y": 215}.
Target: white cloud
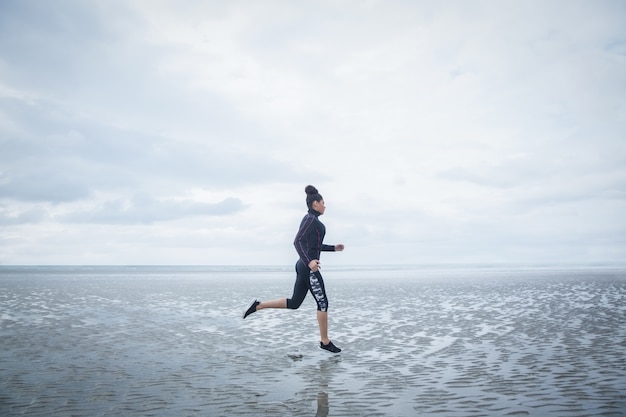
{"x": 437, "y": 132}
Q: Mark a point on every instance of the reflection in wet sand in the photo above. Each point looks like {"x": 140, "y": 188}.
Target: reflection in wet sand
{"x": 322, "y": 404}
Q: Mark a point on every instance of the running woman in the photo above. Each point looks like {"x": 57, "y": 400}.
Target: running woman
{"x": 309, "y": 244}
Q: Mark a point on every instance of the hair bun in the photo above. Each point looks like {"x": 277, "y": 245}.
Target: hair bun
{"x": 309, "y": 189}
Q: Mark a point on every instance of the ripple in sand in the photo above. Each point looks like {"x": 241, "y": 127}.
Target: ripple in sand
{"x": 515, "y": 345}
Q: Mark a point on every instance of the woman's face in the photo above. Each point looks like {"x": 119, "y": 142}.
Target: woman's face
{"x": 319, "y": 206}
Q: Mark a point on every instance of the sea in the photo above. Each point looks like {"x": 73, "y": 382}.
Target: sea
{"x": 441, "y": 340}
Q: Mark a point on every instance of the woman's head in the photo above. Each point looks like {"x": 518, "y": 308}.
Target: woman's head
{"x": 314, "y": 199}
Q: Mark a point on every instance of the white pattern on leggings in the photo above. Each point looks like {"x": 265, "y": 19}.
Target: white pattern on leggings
{"x": 318, "y": 292}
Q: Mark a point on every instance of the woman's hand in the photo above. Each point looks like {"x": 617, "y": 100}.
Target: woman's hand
{"x": 339, "y": 247}
{"x": 314, "y": 265}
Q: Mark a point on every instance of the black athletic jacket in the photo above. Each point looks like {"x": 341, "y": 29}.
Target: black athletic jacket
{"x": 308, "y": 241}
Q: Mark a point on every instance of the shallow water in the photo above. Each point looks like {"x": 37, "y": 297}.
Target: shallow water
{"x": 450, "y": 342}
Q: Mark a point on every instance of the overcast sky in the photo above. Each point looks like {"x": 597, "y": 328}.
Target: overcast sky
{"x": 184, "y": 132}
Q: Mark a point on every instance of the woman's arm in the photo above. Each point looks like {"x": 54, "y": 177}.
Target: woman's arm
{"x": 333, "y": 248}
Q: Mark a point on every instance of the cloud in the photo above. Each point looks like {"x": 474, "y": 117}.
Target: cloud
{"x": 139, "y": 209}
{"x": 146, "y": 210}
{"x": 53, "y": 159}
{"x": 434, "y": 130}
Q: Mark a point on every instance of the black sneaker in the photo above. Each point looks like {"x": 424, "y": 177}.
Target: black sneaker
{"x": 251, "y": 309}
{"x": 330, "y": 347}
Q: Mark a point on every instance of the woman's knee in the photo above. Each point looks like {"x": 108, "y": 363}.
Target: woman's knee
{"x": 322, "y": 305}
{"x": 294, "y": 304}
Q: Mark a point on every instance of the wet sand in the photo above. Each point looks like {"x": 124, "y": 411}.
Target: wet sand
{"x": 449, "y": 342}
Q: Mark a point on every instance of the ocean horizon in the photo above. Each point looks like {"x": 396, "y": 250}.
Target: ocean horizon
{"x": 329, "y": 267}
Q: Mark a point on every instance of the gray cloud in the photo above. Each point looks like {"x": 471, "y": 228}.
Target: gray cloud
{"x": 54, "y": 159}
{"x": 143, "y": 209}
{"x": 139, "y": 209}
{"x": 11, "y": 215}
{"x": 42, "y": 185}
{"x": 55, "y": 47}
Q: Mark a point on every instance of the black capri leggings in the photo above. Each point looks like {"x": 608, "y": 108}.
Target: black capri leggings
{"x": 308, "y": 281}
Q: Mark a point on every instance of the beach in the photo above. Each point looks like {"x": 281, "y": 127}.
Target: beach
{"x": 448, "y": 341}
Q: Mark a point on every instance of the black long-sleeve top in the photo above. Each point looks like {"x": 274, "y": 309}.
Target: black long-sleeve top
{"x": 309, "y": 239}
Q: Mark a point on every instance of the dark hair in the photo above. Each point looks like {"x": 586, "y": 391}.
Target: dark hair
{"x": 311, "y": 195}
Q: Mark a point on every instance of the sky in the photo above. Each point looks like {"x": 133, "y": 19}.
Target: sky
{"x": 167, "y": 132}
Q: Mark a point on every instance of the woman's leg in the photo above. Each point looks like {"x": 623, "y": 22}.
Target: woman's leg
{"x": 278, "y": 303}
{"x": 257, "y": 305}
{"x": 300, "y": 289}
{"x": 316, "y": 285}
{"x": 301, "y": 286}
{"x": 322, "y": 320}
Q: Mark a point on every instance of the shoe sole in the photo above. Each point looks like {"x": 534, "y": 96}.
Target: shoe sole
{"x": 254, "y": 300}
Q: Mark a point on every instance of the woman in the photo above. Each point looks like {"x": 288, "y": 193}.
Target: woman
{"x": 308, "y": 243}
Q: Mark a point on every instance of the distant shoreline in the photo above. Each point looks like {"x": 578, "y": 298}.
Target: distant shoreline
{"x": 373, "y": 267}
